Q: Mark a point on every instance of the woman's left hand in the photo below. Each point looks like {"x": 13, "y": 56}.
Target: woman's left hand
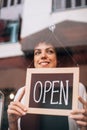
{"x": 80, "y": 115}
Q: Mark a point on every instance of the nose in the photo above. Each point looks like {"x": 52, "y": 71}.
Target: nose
{"x": 43, "y": 54}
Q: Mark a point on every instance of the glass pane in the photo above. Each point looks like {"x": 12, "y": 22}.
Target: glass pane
{"x": 5, "y": 3}
{"x": 12, "y": 2}
{"x": 19, "y": 2}
{"x": 68, "y": 3}
{"x": 78, "y": 2}
{"x": 58, "y": 4}
{"x": 85, "y": 2}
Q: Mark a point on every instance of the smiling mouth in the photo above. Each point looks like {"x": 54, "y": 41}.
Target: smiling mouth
{"x": 44, "y": 63}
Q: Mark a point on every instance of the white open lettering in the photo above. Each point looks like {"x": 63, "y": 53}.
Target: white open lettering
{"x": 34, "y": 95}
{"x": 46, "y": 90}
{"x": 62, "y": 92}
{"x": 54, "y": 91}
{"x": 49, "y": 86}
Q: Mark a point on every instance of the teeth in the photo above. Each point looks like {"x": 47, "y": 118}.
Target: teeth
{"x": 44, "y": 63}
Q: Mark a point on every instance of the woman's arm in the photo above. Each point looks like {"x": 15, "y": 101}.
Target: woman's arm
{"x": 80, "y": 115}
{"x": 15, "y": 110}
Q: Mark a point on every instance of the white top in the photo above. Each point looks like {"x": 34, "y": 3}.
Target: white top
{"x": 72, "y": 123}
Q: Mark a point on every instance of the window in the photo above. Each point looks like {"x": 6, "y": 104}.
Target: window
{"x": 86, "y": 2}
{"x": 9, "y": 31}
{"x": 78, "y": 2}
{"x": 59, "y": 5}
{"x": 68, "y": 3}
{"x": 5, "y": 2}
{"x": 19, "y": 2}
{"x": 12, "y": 2}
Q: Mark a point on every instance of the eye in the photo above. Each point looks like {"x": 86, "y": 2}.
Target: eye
{"x": 50, "y": 51}
{"x": 37, "y": 52}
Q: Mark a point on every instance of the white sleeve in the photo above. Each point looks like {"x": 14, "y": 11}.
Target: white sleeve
{"x": 82, "y": 93}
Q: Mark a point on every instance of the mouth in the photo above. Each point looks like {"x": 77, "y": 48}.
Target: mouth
{"x": 44, "y": 63}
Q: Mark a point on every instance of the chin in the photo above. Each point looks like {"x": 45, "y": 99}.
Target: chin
{"x": 45, "y": 67}
{"x": 41, "y": 66}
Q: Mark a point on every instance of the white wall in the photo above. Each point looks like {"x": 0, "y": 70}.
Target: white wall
{"x": 11, "y": 49}
{"x": 11, "y": 12}
{"x": 37, "y": 15}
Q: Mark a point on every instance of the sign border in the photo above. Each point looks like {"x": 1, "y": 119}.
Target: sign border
{"x": 62, "y": 112}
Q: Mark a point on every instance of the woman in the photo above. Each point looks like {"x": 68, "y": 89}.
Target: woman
{"x": 45, "y": 57}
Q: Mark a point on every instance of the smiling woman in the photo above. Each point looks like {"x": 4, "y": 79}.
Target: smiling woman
{"x": 45, "y": 56}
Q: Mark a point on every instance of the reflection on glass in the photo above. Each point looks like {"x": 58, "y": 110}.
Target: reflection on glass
{"x": 14, "y": 26}
{"x": 1, "y": 107}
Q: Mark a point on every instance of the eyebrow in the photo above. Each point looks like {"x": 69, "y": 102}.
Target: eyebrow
{"x": 45, "y": 48}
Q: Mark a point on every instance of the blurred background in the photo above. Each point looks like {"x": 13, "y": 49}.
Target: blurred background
{"x": 23, "y": 23}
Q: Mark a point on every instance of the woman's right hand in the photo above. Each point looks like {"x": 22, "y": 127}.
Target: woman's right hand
{"x": 16, "y": 109}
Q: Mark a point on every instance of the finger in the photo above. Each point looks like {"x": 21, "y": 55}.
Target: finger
{"x": 84, "y": 105}
{"x": 81, "y": 123}
{"x": 10, "y": 112}
{"x": 82, "y": 101}
{"x": 78, "y": 111}
{"x": 21, "y": 95}
{"x": 81, "y": 120}
{"x": 79, "y": 117}
{"x": 18, "y": 104}
{"x": 13, "y": 107}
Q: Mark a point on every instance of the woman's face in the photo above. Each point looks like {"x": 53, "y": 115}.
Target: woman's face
{"x": 45, "y": 56}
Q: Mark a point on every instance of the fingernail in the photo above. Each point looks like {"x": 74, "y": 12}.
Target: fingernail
{"x": 24, "y": 113}
{"x": 70, "y": 116}
{"x": 25, "y": 108}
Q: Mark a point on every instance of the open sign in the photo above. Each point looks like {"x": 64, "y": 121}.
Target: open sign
{"x": 52, "y": 91}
